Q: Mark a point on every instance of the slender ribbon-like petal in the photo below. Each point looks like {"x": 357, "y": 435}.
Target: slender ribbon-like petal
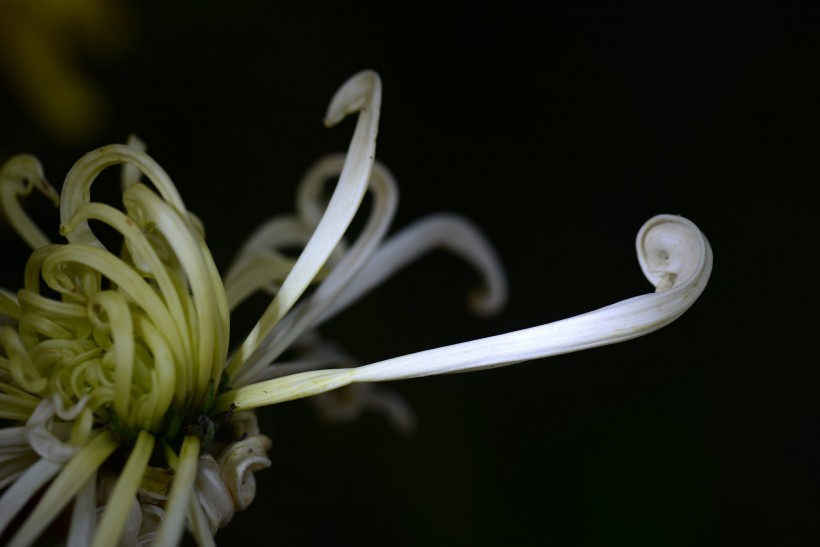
{"x": 24, "y": 488}
{"x": 674, "y": 255}
{"x": 181, "y": 491}
{"x": 71, "y": 479}
{"x": 360, "y": 93}
{"x": 11, "y": 467}
{"x": 199, "y": 523}
{"x": 9, "y": 307}
{"x": 84, "y": 515}
{"x": 211, "y": 325}
{"x": 451, "y": 232}
{"x": 76, "y": 190}
{"x": 123, "y": 495}
{"x": 18, "y": 177}
{"x": 304, "y": 316}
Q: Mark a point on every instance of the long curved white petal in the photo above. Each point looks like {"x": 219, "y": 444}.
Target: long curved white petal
{"x": 674, "y": 255}
{"x": 360, "y": 93}
{"x": 304, "y": 317}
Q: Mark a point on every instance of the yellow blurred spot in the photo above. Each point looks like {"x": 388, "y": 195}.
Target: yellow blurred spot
{"x": 42, "y": 48}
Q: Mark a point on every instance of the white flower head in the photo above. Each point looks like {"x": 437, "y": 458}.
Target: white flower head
{"x": 116, "y": 380}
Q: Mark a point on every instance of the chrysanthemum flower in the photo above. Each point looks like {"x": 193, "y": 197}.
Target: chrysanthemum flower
{"x": 121, "y": 396}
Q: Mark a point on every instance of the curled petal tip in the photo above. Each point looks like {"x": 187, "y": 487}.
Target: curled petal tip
{"x": 24, "y": 167}
{"x": 18, "y": 177}
{"x": 488, "y": 301}
{"x": 672, "y": 252}
{"x": 136, "y": 143}
{"x": 354, "y": 95}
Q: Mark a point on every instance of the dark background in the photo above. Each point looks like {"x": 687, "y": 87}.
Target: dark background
{"x": 559, "y": 132}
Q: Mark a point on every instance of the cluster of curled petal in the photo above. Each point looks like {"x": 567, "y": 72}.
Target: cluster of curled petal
{"x": 116, "y": 379}
{"x": 115, "y": 363}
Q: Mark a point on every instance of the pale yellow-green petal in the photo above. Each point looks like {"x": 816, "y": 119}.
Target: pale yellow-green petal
{"x": 73, "y": 476}
{"x": 18, "y": 177}
{"x": 19, "y": 363}
{"x": 126, "y": 279}
{"x": 9, "y": 307}
{"x": 122, "y": 497}
{"x": 181, "y": 491}
{"x": 13, "y": 407}
{"x": 116, "y": 316}
{"x": 77, "y": 187}
{"x": 287, "y": 388}
{"x": 142, "y": 252}
{"x": 209, "y": 326}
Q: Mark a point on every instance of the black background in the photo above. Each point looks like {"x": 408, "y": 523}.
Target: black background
{"x": 559, "y": 132}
